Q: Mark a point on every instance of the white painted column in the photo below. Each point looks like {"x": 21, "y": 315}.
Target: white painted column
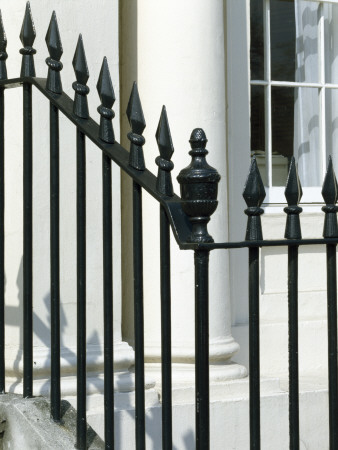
{"x": 181, "y": 63}
{"x": 99, "y": 28}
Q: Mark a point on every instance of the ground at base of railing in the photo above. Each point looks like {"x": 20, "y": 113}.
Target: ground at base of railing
{"x": 25, "y": 424}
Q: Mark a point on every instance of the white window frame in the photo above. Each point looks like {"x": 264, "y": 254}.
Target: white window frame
{"x": 239, "y": 132}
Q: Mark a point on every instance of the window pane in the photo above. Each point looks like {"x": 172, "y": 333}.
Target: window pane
{"x": 331, "y": 42}
{"x": 257, "y": 40}
{"x": 258, "y": 128}
{"x": 332, "y": 126}
{"x": 295, "y": 131}
{"x": 283, "y": 39}
{"x": 306, "y": 18}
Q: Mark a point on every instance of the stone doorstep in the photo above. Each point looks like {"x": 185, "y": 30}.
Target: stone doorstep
{"x": 26, "y": 424}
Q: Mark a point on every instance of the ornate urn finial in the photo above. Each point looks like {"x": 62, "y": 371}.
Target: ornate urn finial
{"x": 199, "y": 183}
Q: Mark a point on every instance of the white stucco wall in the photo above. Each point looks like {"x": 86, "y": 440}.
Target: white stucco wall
{"x": 98, "y": 23}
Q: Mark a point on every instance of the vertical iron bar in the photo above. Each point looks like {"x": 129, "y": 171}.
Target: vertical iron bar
{"x": 2, "y": 241}
{"x": 166, "y": 331}
{"x": 254, "y": 382}
{"x": 332, "y": 342}
{"x": 138, "y": 317}
{"x": 27, "y": 242}
{"x": 55, "y": 393}
{"x": 81, "y": 291}
{"x": 108, "y": 304}
{"x": 293, "y": 346}
{"x": 202, "y": 349}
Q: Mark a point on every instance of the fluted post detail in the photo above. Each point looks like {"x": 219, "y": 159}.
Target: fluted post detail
{"x": 164, "y": 183}
{"x": 55, "y": 49}
{"x": 79, "y": 86}
{"x": 293, "y": 195}
{"x": 107, "y": 97}
{"x": 3, "y": 53}
{"x": 330, "y": 194}
{"x": 137, "y": 124}
{"x": 27, "y": 37}
{"x": 254, "y": 194}
{"x": 199, "y": 184}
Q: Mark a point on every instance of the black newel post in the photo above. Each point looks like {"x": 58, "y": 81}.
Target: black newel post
{"x": 199, "y": 200}
{"x": 330, "y": 195}
{"x": 254, "y": 194}
{"x": 293, "y": 194}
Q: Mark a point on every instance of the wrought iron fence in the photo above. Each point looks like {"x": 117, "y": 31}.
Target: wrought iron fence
{"x": 187, "y": 217}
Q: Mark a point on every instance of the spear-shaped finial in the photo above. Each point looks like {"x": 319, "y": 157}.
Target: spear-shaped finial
{"x": 3, "y": 53}
{"x": 330, "y": 195}
{"x": 293, "y": 195}
{"x": 138, "y": 124}
{"x": 55, "y": 49}
{"x": 27, "y": 37}
{"x": 107, "y": 97}
{"x": 165, "y": 165}
{"x": 254, "y": 194}
{"x": 79, "y": 86}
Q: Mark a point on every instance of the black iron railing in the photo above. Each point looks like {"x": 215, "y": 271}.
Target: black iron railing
{"x": 187, "y": 217}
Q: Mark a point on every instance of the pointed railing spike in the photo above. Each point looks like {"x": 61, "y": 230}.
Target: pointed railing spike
{"x": 3, "y": 53}
{"x": 79, "y": 86}
{"x": 330, "y": 195}
{"x": 107, "y": 97}
{"x": 254, "y": 194}
{"x": 199, "y": 185}
{"x": 27, "y": 37}
{"x": 293, "y": 195}
{"x": 138, "y": 124}
{"x": 55, "y": 49}
{"x": 165, "y": 165}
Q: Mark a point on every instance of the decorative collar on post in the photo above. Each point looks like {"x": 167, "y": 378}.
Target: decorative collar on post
{"x": 199, "y": 184}
{"x": 164, "y": 183}
{"x": 330, "y": 194}
{"x": 254, "y": 194}
{"x": 107, "y": 97}
{"x": 79, "y": 86}
{"x": 27, "y": 37}
{"x": 137, "y": 124}
{"x": 55, "y": 49}
{"x": 293, "y": 194}
{"x": 3, "y": 53}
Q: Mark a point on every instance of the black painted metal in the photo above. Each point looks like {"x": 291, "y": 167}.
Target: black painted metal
{"x": 27, "y": 37}
{"x": 27, "y": 242}
{"x": 3, "y": 76}
{"x": 164, "y": 185}
{"x": 330, "y": 195}
{"x": 55, "y": 392}
{"x": 107, "y": 97}
{"x": 254, "y": 194}
{"x": 293, "y": 194}
{"x": 202, "y": 349}
{"x": 80, "y": 106}
{"x": 199, "y": 188}
{"x": 54, "y": 45}
{"x": 108, "y": 303}
{"x": 81, "y": 291}
{"x": 137, "y": 123}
